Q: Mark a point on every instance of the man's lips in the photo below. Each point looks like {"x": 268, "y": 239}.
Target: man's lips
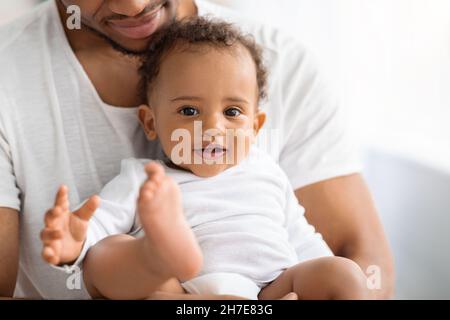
{"x": 138, "y": 28}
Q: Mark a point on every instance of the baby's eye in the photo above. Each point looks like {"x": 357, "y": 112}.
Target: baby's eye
{"x": 188, "y": 111}
{"x": 232, "y": 112}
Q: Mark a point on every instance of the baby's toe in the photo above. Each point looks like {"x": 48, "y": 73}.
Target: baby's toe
{"x": 155, "y": 171}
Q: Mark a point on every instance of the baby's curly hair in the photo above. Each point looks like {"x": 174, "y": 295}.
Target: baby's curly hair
{"x": 193, "y": 32}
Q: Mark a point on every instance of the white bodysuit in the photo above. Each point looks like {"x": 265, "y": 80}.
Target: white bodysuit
{"x": 247, "y": 221}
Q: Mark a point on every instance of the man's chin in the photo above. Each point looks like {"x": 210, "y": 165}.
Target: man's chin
{"x": 128, "y": 46}
{"x": 131, "y": 47}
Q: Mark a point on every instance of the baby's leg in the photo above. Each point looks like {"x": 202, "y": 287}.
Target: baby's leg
{"x": 121, "y": 267}
{"x": 328, "y": 278}
{"x": 124, "y": 267}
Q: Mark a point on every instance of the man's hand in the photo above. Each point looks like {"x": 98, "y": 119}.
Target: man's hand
{"x": 342, "y": 210}
{"x": 65, "y": 232}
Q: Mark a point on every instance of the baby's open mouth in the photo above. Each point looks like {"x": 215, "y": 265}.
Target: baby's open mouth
{"x": 211, "y": 152}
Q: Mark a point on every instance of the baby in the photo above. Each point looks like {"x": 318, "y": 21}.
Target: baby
{"x": 218, "y": 216}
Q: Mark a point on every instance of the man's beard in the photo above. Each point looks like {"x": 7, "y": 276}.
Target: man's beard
{"x": 117, "y": 46}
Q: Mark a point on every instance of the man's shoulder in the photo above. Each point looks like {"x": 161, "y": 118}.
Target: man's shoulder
{"x": 21, "y": 48}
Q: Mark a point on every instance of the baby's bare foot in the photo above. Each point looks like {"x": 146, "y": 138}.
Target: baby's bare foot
{"x": 161, "y": 215}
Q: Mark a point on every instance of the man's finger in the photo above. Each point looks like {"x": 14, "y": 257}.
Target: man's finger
{"x": 87, "y": 210}
{"x": 290, "y": 296}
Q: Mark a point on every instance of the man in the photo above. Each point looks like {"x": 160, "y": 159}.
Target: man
{"x": 68, "y": 101}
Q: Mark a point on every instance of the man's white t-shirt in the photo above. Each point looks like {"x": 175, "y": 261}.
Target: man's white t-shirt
{"x": 54, "y": 129}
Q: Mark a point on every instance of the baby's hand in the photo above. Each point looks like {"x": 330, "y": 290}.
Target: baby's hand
{"x": 65, "y": 232}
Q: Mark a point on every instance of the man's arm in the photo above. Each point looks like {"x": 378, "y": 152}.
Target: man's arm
{"x": 9, "y": 250}
{"x": 342, "y": 210}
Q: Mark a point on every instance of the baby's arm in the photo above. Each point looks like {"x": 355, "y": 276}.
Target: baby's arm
{"x": 68, "y": 235}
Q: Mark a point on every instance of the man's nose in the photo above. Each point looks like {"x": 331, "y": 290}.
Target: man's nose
{"x": 130, "y": 8}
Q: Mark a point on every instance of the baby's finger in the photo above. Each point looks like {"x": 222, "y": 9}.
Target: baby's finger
{"x": 61, "y": 199}
{"x": 88, "y": 209}
{"x": 49, "y": 255}
{"x": 52, "y": 216}
{"x": 48, "y": 235}
{"x": 56, "y": 247}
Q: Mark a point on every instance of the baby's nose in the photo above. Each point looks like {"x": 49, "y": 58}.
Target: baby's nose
{"x": 214, "y": 125}
{"x": 213, "y": 138}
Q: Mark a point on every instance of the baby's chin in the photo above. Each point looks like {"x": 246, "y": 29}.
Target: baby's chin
{"x": 207, "y": 170}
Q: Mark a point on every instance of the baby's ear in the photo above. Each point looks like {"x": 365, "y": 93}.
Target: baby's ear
{"x": 147, "y": 120}
{"x": 258, "y": 123}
